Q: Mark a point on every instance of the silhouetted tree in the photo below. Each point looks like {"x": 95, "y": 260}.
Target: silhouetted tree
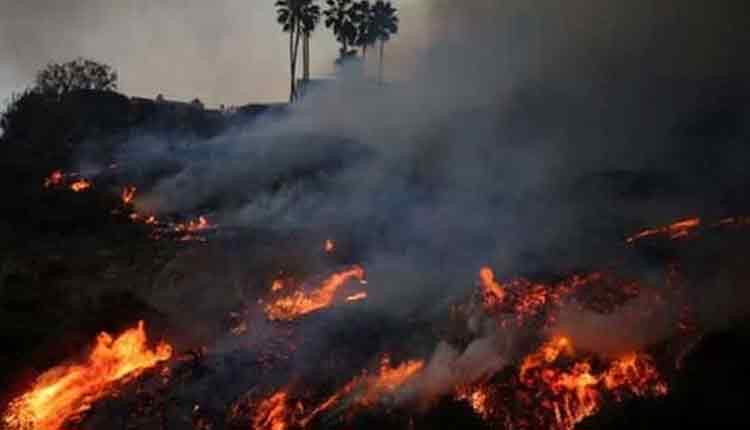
{"x": 366, "y": 36}
{"x": 297, "y": 17}
{"x": 384, "y": 26}
{"x": 342, "y": 17}
{"x": 79, "y": 74}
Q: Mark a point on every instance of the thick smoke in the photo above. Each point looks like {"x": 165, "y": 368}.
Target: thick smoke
{"x": 525, "y": 136}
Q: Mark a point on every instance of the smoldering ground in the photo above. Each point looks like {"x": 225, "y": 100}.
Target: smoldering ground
{"x": 536, "y": 161}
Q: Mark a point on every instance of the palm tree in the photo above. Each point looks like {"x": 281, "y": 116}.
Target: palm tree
{"x": 298, "y": 18}
{"x": 342, "y": 17}
{"x": 365, "y": 30}
{"x": 384, "y": 26}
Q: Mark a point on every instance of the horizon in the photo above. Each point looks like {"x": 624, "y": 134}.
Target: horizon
{"x": 182, "y": 51}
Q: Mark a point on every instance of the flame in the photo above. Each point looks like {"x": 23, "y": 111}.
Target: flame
{"x": 54, "y": 179}
{"x": 65, "y": 392}
{"x": 546, "y": 354}
{"x": 573, "y": 392}
{"x": 273, "y": 413}
{"x": 277, "y": 285}
{"x": 80, "y": 185}
{"x": 198, "y": 224}
{"x": 478, "y": 398}
{"x": 493, "y": 292}
{"x": 388, "y": 380}
{"x": 128, "y": 194}
{"x": 357, "y": 297}
{"x": 675, "y": 230}
{"x": 299, "y": 304}
{"x": 329, "y": 246}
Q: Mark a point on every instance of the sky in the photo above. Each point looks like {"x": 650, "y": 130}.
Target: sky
{"x": 233, "y": 52}
{"x": 222, "y": 51}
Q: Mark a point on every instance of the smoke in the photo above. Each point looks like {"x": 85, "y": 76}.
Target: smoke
{"x": 524, "y": 135}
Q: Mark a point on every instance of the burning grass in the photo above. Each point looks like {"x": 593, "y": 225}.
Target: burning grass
{"x": 64, "y": 392}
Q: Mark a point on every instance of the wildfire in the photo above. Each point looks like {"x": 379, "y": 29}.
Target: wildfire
{"x": 273, "y": 413}
{"x": 675, "y": 230}
{"x": 478, "y": 399}
{"x": 128, "y": 194}
{"x": 388, "y": 380}
{"x": 54, "y": 179}
{"x": 329, "y": 246}
{"x": 80, "y": 185}
{"x": 572, "y": 390}
{"x": 66, "y": 391}
{"x": 357, "y": 297}
{"x": 492, "y": 291}
{"x": 198, "y": 224}
{"x": 301, "y": 303}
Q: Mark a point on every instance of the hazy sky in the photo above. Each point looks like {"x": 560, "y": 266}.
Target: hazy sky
{"x": 233, "y": 51}
{"x": 222, "y": 51}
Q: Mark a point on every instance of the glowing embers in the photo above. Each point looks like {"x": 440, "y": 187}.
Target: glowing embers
{"x": 492, "y": 292}
{"x": 72, "y": 181}
{"x": 524, "y": 301}
{"x": 301, "y": 303}
{"x": 64, "y": 392}
{"x": 281, "y": 411}
{"x": 80, "y": 185}
{"x": 127, "y": 195}
{"x": 569, "y": 388}
{"x": 329, "y": 246}
{"x": 676, "y": 230}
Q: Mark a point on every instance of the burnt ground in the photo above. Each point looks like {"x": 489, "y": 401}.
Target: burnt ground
{"x": 69, "y": 269}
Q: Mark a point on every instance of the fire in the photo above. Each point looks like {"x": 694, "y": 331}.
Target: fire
{"x": 273, "y": 413}
{"x": 493, "y": 292}
{"x": 546, "y": 354}
{"x": 198, "y": 224}
{"x": 301, "y": 303}
{"x": 80, "y": 185}
{"x": 329, "y": 246}
{"x": 675, "y": 230}
{"x": 66, "y": 391}
{"x": 357, "y": 297}
{"x": 572, "y": 390}
{"x": 388, "y": 380}
{"x": 478, "y": 399}
{"x": 128, "y": 194}
{"x": 277, "y": 285}
{"x": 54, "y": 179}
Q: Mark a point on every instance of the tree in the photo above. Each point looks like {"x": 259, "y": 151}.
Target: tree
{"x": 342, "y": 17}
{"x": 297, "y": 17}
{"x": 384, "y": 26}
{"x": 79, "y": 74}
{"x": 365, "y": 31}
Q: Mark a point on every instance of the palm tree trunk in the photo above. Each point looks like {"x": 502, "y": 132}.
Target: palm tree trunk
{"x": 294, "y": 61}
{"x": 292, "y": 88}
{"x": 306, "y": 58}
{"x": 380, "y": 66}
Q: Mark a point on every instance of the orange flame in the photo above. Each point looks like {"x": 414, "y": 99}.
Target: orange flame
{"x": 574, "y": 394}
{"x": 128, "y": 194}
{"x": 300, "y": 303}
{"x": 199, "y": 224}
{"x": 357, "y": 297}
{"x": 478, "y": 399}
{"x": 493, "y": 292}
{"x": 273, "y": 413}
{"x": 676, "y": 230}
{"x": 80, "y": 185}
{"x": 65, "y": 392}
{"x": 388, "y": 380}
